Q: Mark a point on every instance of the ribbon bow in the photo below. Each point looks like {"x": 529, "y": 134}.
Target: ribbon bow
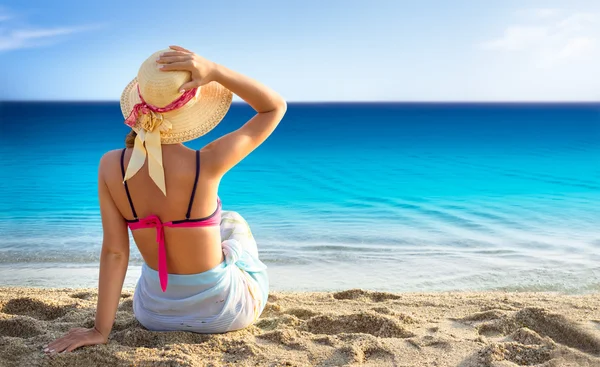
{"x": 153, "y": 221}
{"x": 151, "y": 123}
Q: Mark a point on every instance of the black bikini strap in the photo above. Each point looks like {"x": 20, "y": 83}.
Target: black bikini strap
{"x": 125, "y": 183}
{"x": 189, "y": 211}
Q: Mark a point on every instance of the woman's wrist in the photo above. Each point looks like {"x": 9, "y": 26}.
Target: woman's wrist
{"x": 103, "y": 334}
{"x": 217, "y": 73}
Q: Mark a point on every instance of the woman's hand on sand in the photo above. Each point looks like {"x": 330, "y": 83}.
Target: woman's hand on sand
{"x": 74, "y": 339}
{"x": 181, "y": 59}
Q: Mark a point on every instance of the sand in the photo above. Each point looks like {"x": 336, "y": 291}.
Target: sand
{"x": 349, "y": 328}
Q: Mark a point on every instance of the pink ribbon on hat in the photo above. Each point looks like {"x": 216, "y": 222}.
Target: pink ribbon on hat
{"x": 145, "y": 107}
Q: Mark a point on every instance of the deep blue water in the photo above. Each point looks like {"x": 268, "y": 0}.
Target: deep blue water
{"x": 401, "y": 197}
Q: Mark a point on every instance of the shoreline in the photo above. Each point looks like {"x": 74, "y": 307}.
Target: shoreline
{"x": 351, "y": 327}
{"x": 299, "y": 278}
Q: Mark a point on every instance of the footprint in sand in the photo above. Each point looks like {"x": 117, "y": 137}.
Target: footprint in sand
{"x": 137, "y": 337}
{"x": 477, "y": 318}
{"x": 20, "y": 327}
{"x": 353, "y": 338}
{"x": 523, "y": 355}
{"x": 362, "y": 354}
{"x": 527, "y": 336}
{"x": 81, "y": 295}
{"x": 366, "y": 322}
{"x": 405, "y": 319}
{"x": 272, "y": 323}
{"x": 325, "y": 340}
{"x": 38, "y": 309}
{"x": 301, "y": 313}
{"x": 292, "y": 339}
{"x": 533, "y": 336}
{"x": 555, "y": 326}
{"x": 359, "y": 349}
{"x": 430, "y": 341}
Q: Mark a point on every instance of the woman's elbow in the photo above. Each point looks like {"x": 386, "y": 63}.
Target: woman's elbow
{"x": 115, "y": 255}
{"x": 280, "y": 108}
{"x": 282, "y": 105}
{"x": 277, "y": 105}
{"x": 115, "y": 251}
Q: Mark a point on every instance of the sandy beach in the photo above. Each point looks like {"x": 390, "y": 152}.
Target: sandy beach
{"x": 347, "y": 328}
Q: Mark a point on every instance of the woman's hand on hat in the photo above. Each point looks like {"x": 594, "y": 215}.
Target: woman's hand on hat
{"x": 180, "y": 59}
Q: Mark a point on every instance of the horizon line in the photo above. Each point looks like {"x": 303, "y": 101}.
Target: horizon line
{"x": 334, "y": 102}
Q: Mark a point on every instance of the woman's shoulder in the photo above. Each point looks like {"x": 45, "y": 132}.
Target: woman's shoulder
{"x": 110, "y": 159}
{"x": 111, "y": 156}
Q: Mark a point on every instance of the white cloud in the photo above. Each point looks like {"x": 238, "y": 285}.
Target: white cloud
{"x": 517, "y": 38}
{"x": 27, "y": 38}
{"x": 19, "y": 37}
{"x": 550, "y": 37}
{"x": 577, "y": 22}
{"x": 577, "y": 47}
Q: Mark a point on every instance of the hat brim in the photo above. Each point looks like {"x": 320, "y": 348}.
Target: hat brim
{"x": 196, "y": 118}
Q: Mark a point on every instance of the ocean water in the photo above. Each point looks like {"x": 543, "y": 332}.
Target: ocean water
{"x": 396, "y": 197}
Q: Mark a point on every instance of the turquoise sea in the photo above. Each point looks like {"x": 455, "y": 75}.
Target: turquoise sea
{"x": 397, "y": 197}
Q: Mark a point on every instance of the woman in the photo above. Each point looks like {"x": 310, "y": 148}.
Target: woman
{"x": 201, "y": 270}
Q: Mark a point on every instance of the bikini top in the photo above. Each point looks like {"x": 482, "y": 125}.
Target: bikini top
{"x": 152, "y": 221}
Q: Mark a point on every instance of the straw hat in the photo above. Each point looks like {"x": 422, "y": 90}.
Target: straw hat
{"x": 159, "y": 88}
{"x": 160, "y": 114}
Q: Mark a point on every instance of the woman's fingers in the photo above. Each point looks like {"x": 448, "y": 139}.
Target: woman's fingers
{"x": 53, "y": 345}
{"x": 185, "y": 66}
{"x": 172, "y": 59}
{"x": 179, "y": 48}
{"x": 174, "y": 53}
{"x": 74, "y": 339}
{"x": 59, "y": 345}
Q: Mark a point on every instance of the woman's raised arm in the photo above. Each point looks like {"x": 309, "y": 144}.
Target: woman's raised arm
{"x": 230, "y": 149}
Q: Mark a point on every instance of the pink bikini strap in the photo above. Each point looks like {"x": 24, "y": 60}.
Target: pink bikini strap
{"x": 153, "y": 221}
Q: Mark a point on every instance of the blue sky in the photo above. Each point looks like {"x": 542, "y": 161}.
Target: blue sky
{"x": 462, "y": 50}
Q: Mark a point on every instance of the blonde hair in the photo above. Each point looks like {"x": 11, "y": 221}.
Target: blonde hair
{"x": 130, "y": 139}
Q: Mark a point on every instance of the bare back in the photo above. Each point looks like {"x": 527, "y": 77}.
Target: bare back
{"x": 189, "y": 250}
